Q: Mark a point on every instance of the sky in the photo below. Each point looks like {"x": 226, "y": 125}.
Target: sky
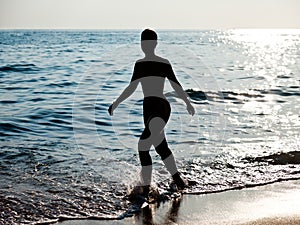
{"x": 157, "y": 14}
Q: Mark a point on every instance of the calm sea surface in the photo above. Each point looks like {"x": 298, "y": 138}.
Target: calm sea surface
{"x": 61, "y": 154}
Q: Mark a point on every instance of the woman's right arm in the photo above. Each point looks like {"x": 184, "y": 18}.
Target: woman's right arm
{"x": 127, "y": 91}
{"x": 125, "y": 94}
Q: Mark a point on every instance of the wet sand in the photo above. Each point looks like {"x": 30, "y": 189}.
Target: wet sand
{"x": 276, "y": 204}
{"x": 276, "y": 221}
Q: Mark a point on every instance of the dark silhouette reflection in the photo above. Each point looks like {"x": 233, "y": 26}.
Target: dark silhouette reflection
{"x": 151, "y": 72}
{"x": 146, "y": 216}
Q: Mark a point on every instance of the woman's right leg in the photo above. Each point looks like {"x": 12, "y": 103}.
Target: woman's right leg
{"x": 162, "y": 148}
{"x": 145, "y": 158}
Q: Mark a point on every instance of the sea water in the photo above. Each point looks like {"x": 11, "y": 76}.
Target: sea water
{"x": 62, "y": 155}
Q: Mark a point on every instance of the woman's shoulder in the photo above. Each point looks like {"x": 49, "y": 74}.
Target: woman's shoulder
{"x": 155, "y": 59}
{"x": 163, "y": 60}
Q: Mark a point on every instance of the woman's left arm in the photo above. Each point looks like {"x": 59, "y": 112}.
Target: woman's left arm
{"x": 179, "y": 90}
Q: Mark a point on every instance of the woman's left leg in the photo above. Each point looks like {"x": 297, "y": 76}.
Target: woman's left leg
{"x": 166, "y": 155}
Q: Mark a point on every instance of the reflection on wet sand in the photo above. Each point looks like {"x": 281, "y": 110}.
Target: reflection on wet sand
{"x": 146, "y": 216}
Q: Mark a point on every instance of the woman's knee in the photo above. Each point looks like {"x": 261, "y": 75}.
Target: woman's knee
{"x": 144, "y": 145}
{"x": 145, "y": 158}
{"x": 163, "y": 150}
{"x": 156, "y": 125}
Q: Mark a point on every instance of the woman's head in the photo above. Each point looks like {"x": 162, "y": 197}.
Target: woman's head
{"x": 148, "y": 41}
{"x": 148, "y": 34}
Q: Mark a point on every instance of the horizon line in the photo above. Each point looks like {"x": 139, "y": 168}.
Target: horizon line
{"x": 134, "y": 29}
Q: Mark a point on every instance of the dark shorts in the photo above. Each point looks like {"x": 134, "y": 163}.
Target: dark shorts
{"x": 155, "y": 107}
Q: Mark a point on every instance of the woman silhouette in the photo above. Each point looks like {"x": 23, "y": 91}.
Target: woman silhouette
{"x": 151, "y": 72}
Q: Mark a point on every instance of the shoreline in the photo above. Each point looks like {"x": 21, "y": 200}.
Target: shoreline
{"x": 276, "y": 203}
{"x": 288, "y": 220}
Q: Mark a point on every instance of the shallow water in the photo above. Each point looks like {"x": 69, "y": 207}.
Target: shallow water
{"x": 62, "y": 155}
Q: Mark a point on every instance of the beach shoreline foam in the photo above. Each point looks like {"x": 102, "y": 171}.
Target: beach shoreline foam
{"x": 270, "y": 204}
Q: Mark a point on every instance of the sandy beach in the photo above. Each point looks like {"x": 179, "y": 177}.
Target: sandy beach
{"x": 276, "y": 221}
{"x": 276, "y": 203}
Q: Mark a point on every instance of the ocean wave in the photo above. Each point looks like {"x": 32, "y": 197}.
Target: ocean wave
{"x": 280, "y": 158}
{"x": 282, "y": 92}
{"x": 58, "y": 121}
{"x": 236, "y": 97}
{"x": 61, "y": 84}
{"x": 203, "y": 97}
{"x": 13, "y": 128}
{"x": 8, "y": 101}
{"x": 19, "y": 68}
{"x": 226, "y": 174}
{"x": 64, "y": 194}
